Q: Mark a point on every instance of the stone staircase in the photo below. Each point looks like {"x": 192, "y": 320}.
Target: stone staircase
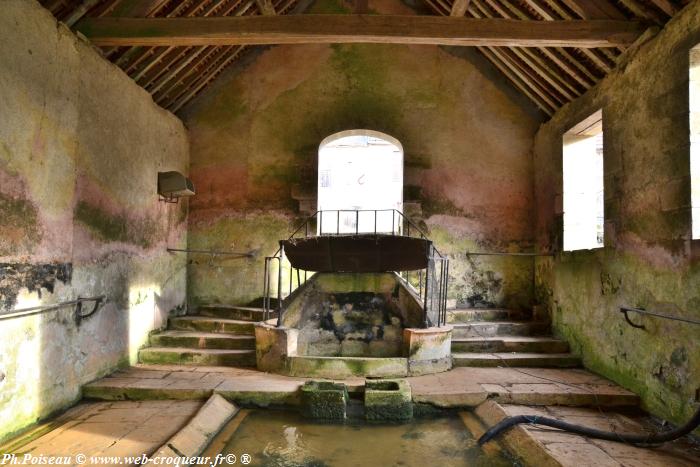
{"x": 505, "y": 338}
{"x": 218, "y": 335}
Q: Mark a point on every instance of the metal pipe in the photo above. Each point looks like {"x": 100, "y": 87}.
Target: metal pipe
{"x": 504, "y": 253}
{"x": 649, "y": 438}
{"x": 266, "y": 291}
{"x": 212, "y": 252}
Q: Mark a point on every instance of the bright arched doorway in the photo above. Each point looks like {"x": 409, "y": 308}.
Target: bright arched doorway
{"x": 360, "y": 170}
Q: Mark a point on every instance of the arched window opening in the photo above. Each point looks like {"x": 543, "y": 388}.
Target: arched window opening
{"x": 360, "y": 183}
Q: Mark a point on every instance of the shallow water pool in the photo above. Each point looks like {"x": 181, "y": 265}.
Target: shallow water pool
{"x": 287, "y": 439}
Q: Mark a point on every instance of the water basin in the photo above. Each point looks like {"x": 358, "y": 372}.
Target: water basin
{"x": 286, "y": 439}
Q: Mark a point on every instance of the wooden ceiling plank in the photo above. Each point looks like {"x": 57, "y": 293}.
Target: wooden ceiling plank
{"x": 537, "y": 66}
{"x": 582, "y": 75}
{"x": 642, "y": 11}
{"x": 186, "y": 61}
{"x": 199, "y": 58}
{"x": 595, "y": 9}
{"x": 182, "y": 99}
{"x": 265, "y": 7}
{"x": 212, "y": 56}
{"x": 666, "y": 6}
{"x": 155, "y": 62}
{"x": 79, "y": 12}
{"x": 521, "y": 86}
{"x": 543, "y": 8}
{"x": 162, "y": 65}
{"x": 459, "y": 8}
{"x": 137, "y": 8}
{"x": 304, "y": 29}
{"x": 519, "y": 73}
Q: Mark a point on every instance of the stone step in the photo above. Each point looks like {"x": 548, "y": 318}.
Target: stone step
{"x": 515, "y": 359}
{"x": 205, "y": 357}
{"x": 202, "y": 340}
{"x": 499, "y": 328}
{"x": 242, "y": 313}
{"x": 510, "y": 344}
{"x": 466, "y": 315}
{"x": 209, "y": 324}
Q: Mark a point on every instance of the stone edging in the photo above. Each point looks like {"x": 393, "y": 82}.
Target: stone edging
{"x": 517, "y": 439}
{"x": 192, "y": 439}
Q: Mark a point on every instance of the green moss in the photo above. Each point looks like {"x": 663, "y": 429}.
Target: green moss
{"x": 226, "y": 108}
{"x": 115, "y": 227}
{"x": 388, "y": 400}
{"x": 324, "y": 400}
{"x": 20, "y": 226}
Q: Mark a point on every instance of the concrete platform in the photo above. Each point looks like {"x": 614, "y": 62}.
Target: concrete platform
{"x": 123, "y": 428}
{"x": 460, "y": 387}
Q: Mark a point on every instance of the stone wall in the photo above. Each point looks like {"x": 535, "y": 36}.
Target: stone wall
{"x": 80, "y": 148}
{"x": 352, "y": 315}
{"x": 648, "y": 260}
{"x": 466, "y": 133}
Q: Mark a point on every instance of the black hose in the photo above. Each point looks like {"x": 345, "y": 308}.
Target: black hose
{"x": 650, "y": 438}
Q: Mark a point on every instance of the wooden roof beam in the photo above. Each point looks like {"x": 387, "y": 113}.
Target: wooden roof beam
{"x": 304, "y": 29}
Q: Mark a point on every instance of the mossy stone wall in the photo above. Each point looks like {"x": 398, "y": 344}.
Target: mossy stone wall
{"x": 649, "y": 260}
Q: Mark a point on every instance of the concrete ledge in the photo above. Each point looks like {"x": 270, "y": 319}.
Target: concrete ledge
{"x": 274, "y": 345}
{"x": 428, "y": 350}
{"x": 194, "y": 437}
{"x": 347, "y": 367}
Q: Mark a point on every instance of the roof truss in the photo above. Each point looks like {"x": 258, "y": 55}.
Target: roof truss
{"x": 549, "y": 74}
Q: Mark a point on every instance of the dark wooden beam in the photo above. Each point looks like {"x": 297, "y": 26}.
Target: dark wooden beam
{"x": 304, "y": 29}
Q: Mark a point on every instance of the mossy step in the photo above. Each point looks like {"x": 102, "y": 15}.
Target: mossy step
{"x": 209, "y": 324}
{"x": 347, "y": 367}
{"x": 516, "y": 359}
{"x": 499, "y": 328}
{"x": 242, "y": 313}
{"x": 208, "y": 357}
{"x": 202, "y": 340}
{"x": 510, "y": 344}
{"x": 467, "y": 315}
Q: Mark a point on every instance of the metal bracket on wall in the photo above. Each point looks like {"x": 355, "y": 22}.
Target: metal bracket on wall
{"x": 625, "y": 310}
{"x": 78, "y": 303}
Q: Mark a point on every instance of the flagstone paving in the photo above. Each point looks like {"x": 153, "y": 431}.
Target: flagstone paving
{"x": 460, "y": 387}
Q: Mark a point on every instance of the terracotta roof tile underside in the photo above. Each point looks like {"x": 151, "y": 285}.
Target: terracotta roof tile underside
{"x": 549, "y": 76}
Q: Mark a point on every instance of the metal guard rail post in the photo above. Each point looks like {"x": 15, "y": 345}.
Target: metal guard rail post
{"x": 626, "y": 310}
{"x": 78, "y": 303}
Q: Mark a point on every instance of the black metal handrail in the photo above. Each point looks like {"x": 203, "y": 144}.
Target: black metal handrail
{"x": 505, "y": 253}
{"x": 212, "y": 252}
{"x": 432, "y": 293}
{"x": 78, "y": 303}
{"x": 625, "y": 310}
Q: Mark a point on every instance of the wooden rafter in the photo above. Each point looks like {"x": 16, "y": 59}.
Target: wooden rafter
{"x": 304, "y": 29}
{"x": 548, "y": 74}
{"x": 459, "y": 8}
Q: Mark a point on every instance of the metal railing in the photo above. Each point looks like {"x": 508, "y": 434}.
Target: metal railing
{"x": 77, "y": 303}
{"x": 626, "y": 310}
{"x": 429, "y": 284}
